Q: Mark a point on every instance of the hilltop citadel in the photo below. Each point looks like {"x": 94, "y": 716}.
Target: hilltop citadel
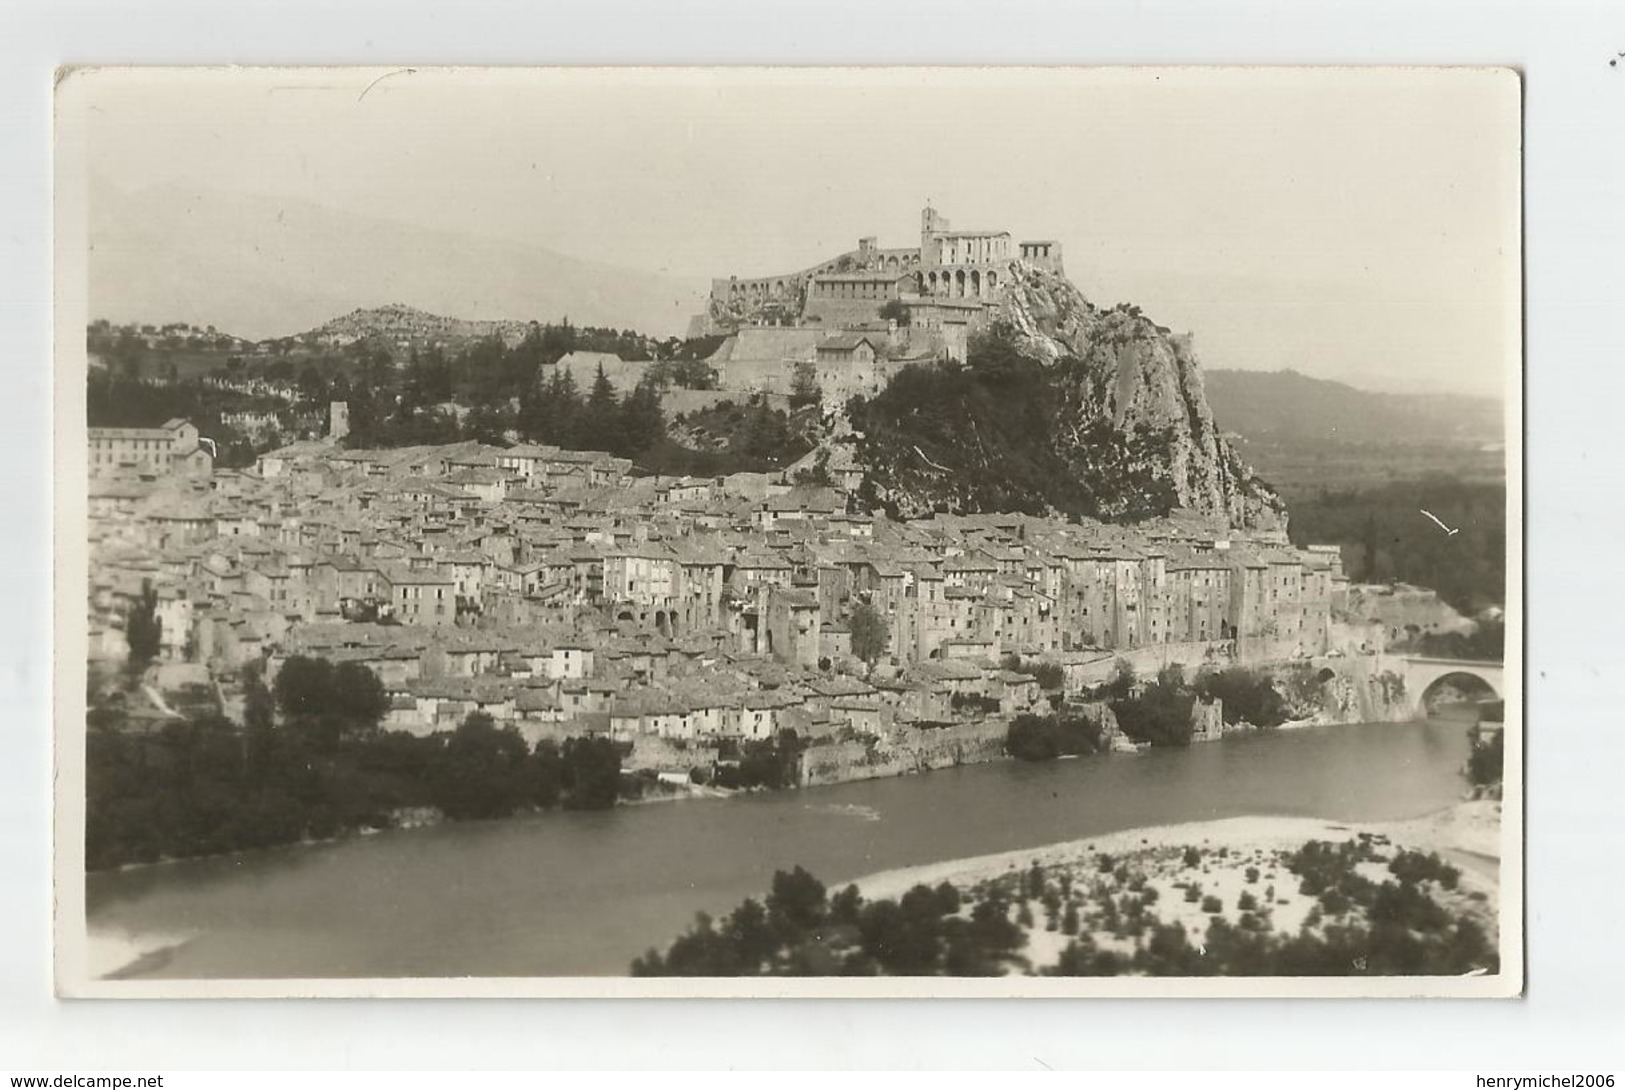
{"x": 862, "y": 315}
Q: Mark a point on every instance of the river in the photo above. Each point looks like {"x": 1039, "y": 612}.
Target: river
{"x": 583, "y": 893}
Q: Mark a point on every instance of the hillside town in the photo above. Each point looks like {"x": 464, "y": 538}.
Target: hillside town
{"x": 561, "y": 594}
{"x": 576, "y": 594}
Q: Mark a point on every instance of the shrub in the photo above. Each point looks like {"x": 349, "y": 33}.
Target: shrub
{"x": 1161, "y": 713}
{"x": 1045, "y": 737}
{"x": 1246, "y": 695}
{"x": 1049, "y": 675}
{"x": 1211, "y": 904}
{"x": 1416, "y": 867}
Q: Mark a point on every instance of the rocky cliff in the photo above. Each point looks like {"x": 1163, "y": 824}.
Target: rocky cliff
{"x": 1122, "y": 368}
{"x": 1064, "y": 408}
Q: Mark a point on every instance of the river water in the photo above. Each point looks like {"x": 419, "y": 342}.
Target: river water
{"x": 584, "y": 893}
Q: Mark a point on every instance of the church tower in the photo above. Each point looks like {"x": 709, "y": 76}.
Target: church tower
{"x": 931, "y": 222}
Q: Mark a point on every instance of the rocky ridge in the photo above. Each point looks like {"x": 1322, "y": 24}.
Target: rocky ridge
{"x": 1140, "y": 377}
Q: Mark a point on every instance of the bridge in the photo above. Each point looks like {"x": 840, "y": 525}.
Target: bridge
{"x": 1424, "y": 675}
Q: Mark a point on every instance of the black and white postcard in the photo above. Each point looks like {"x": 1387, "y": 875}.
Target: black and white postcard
{"x": 839, "y": 532}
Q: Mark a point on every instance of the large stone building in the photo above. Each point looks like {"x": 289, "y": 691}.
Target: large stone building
{"x": 174, "y": 448}
{"x": 913, "y": 304}
{"x": 852, "y": 287}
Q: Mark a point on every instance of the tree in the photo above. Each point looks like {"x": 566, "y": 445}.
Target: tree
{"x": 553, "y": 413}
{"x": 546, "y": 774}
{"x": 798, "y": 899}
{"x": 1043, "y": 738}
{"x": 1246, "y": 695}
{"x": 325, "y": 704}
{"x": 765, "y": 434}
{"x": 1368, "y": 559}
{"x": 359, "y": 696}
{"x": 304, "y": 686}
{"x": 1484, "y": 764}
{"x": 591, "y": 773}
{"x": 818, "y": 473}
{"x": 846, "y": 906}
{"x": 804, "y": 389}
{"x": 1123, "y": 679}
{"x": 601, "y": 416}
{"x": 642, "y": 423}
{"x": 487, "y": 424}
{"x": 904, "y": 943}
{"x": 1051, "y": 676}
{"x": 1032, "y": 738}
{"x": 143, "y": 629}
{"x": 870, "y": 633}
{"x": 894, "y": 310}
{"x": 1161, "y": 713}
{"x": 557, "y": 341}
{"x": 483, "y": 775}
{"x": 428, "y": 379}
{"x": 748, "y": 931}
{"x": 311, "y": 384}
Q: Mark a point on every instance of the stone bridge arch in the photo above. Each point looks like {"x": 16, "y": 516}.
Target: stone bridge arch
{"x": 1424, "y": 676}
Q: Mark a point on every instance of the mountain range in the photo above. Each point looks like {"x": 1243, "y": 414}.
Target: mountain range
{"x": 1288, "y": 407}
{"x": 266, "y": 267}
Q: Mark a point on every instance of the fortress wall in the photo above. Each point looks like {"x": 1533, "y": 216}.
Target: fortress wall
{"x": 835, "y": 313}
{"x": 950, "y": 338}
{"x": 772, "y": 376}
{"x": 775, "y": 343}
{"x": 788, "y": 285}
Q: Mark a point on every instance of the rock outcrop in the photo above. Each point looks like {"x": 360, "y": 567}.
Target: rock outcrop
{"x": 1065, "y": 409}
{"x": 1142, "y": 379}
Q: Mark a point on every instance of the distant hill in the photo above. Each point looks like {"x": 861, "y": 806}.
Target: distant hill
{"x": 1288, "y": 407}
{"x": 396, "y": 322}
{"x": 268, "y": 267}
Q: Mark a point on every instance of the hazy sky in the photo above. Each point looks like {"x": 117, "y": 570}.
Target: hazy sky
{"x": 1353, "y": 224}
